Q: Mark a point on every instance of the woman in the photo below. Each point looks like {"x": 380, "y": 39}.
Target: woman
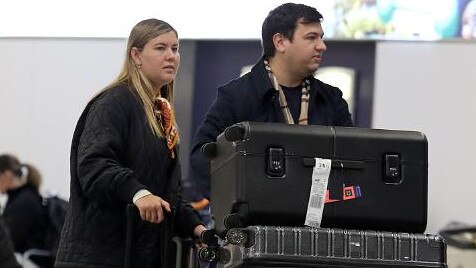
{"x": 124, "y": 150}
{"x": 24, "y": 216}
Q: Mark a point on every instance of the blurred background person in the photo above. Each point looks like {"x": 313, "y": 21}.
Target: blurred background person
{"x": 468, "y": 21}
{"x": 7, "y": 257}
{"x": 24, "y": 216}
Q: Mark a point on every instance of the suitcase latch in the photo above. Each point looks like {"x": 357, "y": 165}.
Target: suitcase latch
{"x": 275, "y": 163}
{"x": 392, "y": 169}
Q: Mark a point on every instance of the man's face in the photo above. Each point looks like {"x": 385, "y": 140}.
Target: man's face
{"x": 303, "y": 54}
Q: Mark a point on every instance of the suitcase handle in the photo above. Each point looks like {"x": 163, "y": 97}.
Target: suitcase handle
{"x": 336, "y": 163}
{"x": 457, "y": 238}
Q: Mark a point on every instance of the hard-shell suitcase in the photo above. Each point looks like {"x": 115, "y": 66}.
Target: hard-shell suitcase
{"x": 268, "y": 246}
{"x": 261, "y": 175}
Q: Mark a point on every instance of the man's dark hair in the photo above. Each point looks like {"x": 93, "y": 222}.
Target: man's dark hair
{"x": 284, "y": 20}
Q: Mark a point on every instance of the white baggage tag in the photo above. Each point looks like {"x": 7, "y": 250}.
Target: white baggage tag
{"x": 317, "y": 196}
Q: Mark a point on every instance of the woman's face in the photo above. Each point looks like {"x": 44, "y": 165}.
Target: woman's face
{"x": 159, "y": 60}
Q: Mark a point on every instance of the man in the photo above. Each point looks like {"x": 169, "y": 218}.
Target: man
{"x": 279, "y": 88}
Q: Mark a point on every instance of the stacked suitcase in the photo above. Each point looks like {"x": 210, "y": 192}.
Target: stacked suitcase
{"x": 261, "y": 178}
{"x": 325, "y": 247}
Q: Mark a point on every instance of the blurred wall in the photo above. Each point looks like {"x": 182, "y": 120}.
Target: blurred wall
{"x": 430, "y": 87}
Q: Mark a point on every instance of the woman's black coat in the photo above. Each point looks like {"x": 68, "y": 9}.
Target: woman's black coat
{"x": 113, "y": 155}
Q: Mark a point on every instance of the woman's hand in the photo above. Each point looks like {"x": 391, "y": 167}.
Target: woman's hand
{"x": 152, "y": 207}
{"x": 198, "y": 233}
{"x": 199, "y": 230}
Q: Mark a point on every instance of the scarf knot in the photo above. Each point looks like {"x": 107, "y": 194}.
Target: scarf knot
{"x": 165, "y": 116}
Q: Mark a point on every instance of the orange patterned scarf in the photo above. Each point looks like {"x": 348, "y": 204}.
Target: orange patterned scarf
{"x": 166, "y": 118}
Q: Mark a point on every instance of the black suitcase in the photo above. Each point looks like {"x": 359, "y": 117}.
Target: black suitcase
{"x": 268, "y": 246}
{"x": 261, "y": 175}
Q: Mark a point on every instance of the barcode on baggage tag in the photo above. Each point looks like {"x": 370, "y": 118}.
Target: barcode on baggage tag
{"x": 314, "y": 224}
{"x": 316, "y": 201}
{"x": 320, "y": 177}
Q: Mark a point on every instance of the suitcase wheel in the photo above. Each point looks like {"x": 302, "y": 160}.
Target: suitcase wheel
{"x": 235, "y": 133}
{"x": 209, "y": 150}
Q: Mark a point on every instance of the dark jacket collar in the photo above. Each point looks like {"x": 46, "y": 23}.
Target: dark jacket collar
{"x": 260, "y": 79}
{"x": 16, "y": 191}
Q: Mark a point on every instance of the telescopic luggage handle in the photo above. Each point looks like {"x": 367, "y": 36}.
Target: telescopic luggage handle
{"x": 462, "y": 237}
{"x": 131, "y": 213}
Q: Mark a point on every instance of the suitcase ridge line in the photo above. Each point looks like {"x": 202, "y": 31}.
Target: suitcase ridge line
{"x": 261, "y": 247}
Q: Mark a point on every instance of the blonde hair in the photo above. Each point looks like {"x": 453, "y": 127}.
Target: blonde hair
{"x": 130, "y": 74}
